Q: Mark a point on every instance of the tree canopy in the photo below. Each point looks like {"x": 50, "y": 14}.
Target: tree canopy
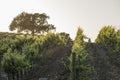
{"x": 107, "y": 36}
{"x": 31, "y": 23}
{"x": 79, "y": 36}
{"x": 110, "y": 37}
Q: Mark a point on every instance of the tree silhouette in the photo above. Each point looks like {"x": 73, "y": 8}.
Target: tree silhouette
{"x": 34, "y": 23}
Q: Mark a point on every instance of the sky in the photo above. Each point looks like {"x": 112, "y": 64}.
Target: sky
{"x": 66, "y": 15}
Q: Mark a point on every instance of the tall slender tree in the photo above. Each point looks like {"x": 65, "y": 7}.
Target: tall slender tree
{"x": 80, "y": 57}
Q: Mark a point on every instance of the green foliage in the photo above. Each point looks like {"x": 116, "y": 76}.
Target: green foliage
{"x": 110, "y": 37}
{"x": 115, "y": 55}
{"x": 107, "y": 36}
{"x": 31, "y": 51}
{"x": 21, "y": 41}
{"x": 53, "y": 39}
{"x": 81, "y": 56}
{"x": 118, "y": 41}
{"x": 5, "y": 43}
{"x": 79, "y": 39}
{"x": 66, "y": 38}
{"x": 27, "y": 53}
{"x": 14, "y": 62}
{"x": 78, "y": 42}
{"x": 34, "y": 23}
{"x": 50, "y": 40}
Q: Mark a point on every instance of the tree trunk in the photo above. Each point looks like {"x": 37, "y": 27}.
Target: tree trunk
{"x": 17, "y": 75}
{"x": 21, "y": 74}
{"x": 8, "y": 76}
{"x": 13, "y": 76}
{"x": 74, "y": 65}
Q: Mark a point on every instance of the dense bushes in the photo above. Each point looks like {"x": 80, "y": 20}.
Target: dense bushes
{"x": 22, "y": 53}
{"x": 31, "y": 52}
{"x": 25, "y": 53}
{"x": 13, "y": 63}
{"x": 110, "y": 37}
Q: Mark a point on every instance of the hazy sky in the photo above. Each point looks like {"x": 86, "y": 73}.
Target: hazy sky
{"x": 66, "y": 15}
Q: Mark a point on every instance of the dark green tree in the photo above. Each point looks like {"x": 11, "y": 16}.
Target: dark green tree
{"x": 33, "y": 23}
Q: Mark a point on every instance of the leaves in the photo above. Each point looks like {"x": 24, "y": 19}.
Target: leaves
{"x": 81, "y": 56}
{"x": 24, "y": 52}
{"x": 34, "y": 23}
{"x": 107, "y": 35}
{"x": 110, "y": 37}
{"x": 14, "y": 62}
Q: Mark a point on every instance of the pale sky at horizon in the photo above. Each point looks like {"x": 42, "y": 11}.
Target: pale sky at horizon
{"x": 66, "y": 15}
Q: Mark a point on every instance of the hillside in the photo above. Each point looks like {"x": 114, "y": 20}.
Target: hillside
{"x": 102, "y": 67}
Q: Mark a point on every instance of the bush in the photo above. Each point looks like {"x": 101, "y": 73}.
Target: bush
{"x": 13, "y": 63}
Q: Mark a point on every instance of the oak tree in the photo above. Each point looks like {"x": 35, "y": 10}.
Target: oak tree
{"x": 33, "y": 23}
